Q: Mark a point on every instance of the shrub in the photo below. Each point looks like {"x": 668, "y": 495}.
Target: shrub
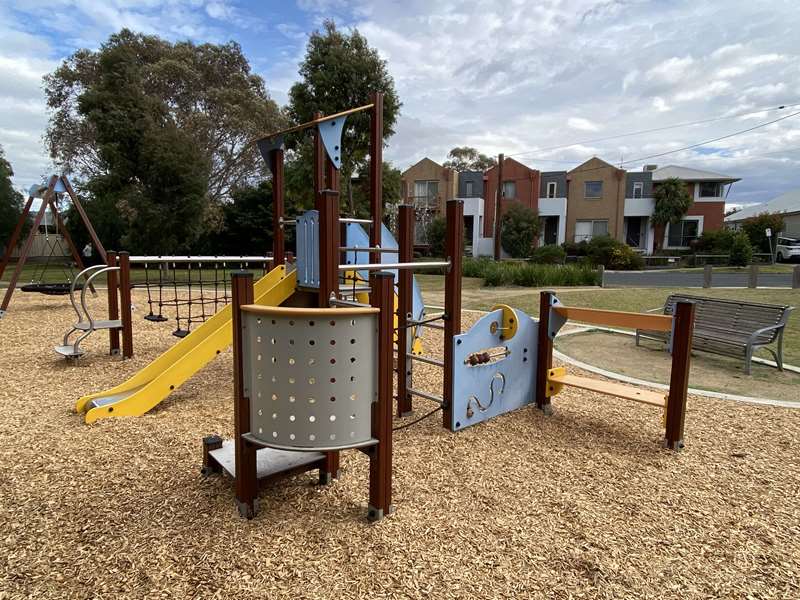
{"x": 519, "y": 227}
{"x": 741, "y": 250}
{"x": 549, "y": 255}
{"x": 715, "y": 242}
{"x": 436, "y": 235}
{"x": 613, "y": 254}
{"x": 529, "y": 274}
{"x": 575, "y": 248}
{"x": 755, "y": 228}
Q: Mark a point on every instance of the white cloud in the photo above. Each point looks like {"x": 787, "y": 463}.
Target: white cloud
{"x": 581, "y": 124}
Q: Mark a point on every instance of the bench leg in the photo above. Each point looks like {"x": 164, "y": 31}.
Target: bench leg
{"x": 779, "y": 356}
{"x": 748, "y": 359}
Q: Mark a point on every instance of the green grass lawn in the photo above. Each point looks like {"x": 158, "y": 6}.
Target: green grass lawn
{"x": 636, "y": 300}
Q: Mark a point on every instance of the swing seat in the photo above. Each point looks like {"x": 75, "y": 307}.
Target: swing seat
{"x": 50, "y": 289}
{"x": 180, "y": 333}
{"x": 155, "y": 318}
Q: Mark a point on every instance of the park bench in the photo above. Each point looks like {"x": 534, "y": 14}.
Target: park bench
{"x": 730, "y": 327}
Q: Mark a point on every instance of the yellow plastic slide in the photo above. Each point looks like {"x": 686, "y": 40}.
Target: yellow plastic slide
{"x": 169, "y": 371}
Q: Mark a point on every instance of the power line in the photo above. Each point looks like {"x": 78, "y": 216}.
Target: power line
{"x": 656, "y": 129}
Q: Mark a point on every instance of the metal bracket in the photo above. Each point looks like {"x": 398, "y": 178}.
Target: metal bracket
{"x": 556, "y": 321}
{"x": 554, "y": 387}
{"x": 331, "y": 133}
{"x": 267, "y": 145}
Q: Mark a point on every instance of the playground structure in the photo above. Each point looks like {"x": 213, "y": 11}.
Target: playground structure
{"x": 57, "y": 184}
{"x": 280, "y": 324}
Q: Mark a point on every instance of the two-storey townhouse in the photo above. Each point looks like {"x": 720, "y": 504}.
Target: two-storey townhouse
{"x": 595, "y": 201}
{"x": 470, "y": 190}
{"x": 552, "y": 207}
{"x": 427, "y": 186}
{"x": 708, "y": 191}
{"x": 520, "y": 184}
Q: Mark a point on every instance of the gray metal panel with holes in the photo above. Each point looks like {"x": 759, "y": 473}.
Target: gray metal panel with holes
{"x": 311, "y": 381}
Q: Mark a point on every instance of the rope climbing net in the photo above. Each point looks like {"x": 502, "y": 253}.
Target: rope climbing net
{"x": 190, "y": 289}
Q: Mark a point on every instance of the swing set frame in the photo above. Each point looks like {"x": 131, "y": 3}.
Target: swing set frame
{"x": 57, "y": 184}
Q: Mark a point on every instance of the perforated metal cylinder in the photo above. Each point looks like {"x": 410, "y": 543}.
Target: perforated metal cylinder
{"x": 311, "y": 376}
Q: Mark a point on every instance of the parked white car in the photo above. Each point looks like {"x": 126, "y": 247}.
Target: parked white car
{"x": 787, "y": 249}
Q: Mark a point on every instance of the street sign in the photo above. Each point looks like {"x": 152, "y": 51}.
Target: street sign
{"x": 768, "y": 231}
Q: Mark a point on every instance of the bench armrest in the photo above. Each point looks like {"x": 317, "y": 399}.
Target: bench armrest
{"x": 653, "y": 310}
{"x": 758, "y": 332}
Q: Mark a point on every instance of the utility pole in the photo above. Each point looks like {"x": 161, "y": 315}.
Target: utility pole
{"x": 497, "y": 206}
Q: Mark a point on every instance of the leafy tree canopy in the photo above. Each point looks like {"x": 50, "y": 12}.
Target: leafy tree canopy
{"x": 672, "y": 201}
{"x": 10, "y": 201}
{"x": 755, "y": 229}
{"x": 519, "y": 228}
{"x": 205, "y": 91}
{"x": 464, "y": 158}
{"x": 340, "y": 71}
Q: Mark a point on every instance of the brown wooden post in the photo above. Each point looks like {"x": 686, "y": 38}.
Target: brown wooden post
{"x": 498, "y": 207}
{"x": 125, "y": 303}
{"x": 244, "y": 452}
{"x": 14, "y": 239}
{"x": 796, "y": 278}
{"x": 278, "y": 208}
{"x": 376, "y": 173}
{"x": 319, "y": 160}
{"x": 707, "y": 275}
{"x": 112, "y": 283}
{"x": 683, "y": 327}
{"x": 380, "y": 461}
{"x": 752, "y": 279}
{"x": 544, "y": 353}
{"x": 26, "y": 248}
{"x": 85, "y": 218}
{"x": 405, "y": 218}
{"x": 454, "y": 247}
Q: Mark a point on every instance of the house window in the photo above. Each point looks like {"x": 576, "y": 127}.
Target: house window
{"x": 551, "y": 189}
{"x": 426, "y": 193}
{"x": 638, "y": 189}
{"x": 681, "y": 235}
{"x": 593, "y": 189}
{"x": 586, "y": 230}
{"x": 710, "y": 189}
{"x": 468, "y": 191}
{"x": 509, "y": 189}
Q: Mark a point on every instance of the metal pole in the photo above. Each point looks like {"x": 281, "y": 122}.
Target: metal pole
{"x": 544, "y": 355}
{"x": 441, "y": 264}
{"x": 113, "y": 304}
{"x": 454, "y": 245}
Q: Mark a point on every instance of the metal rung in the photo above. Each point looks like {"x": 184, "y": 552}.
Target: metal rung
{"x": 350, "y": 288}
{"x": 393, "y": 266}
{"x": 352, "y": 220}
{"x": 369, "y": 249}
{"x": 425, "y": 359}
{"x": 338, "y": 302}
{"x": 426, "y": 395}
{"x": 431, "y": 325}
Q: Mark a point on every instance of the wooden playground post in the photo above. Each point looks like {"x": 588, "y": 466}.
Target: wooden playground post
{"x": 405, "y": 244}
{"x": 125, "y": 303}
{"x": 380, "y": 461}
{"x": 278, "y": 208}
{"x": 112, "y": 283}
{"x": 498, "y": 208}
{"x": 454, "y": 247}
{"x": 14, "y": 239}
{"x": 376, "y": 173}
{"x": 683, "y": 326}
{"x": 244, "y": 452}
{"x": 544, "y": 353}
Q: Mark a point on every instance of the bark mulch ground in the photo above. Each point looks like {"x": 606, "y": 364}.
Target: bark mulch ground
{"x": 581, "y": 504}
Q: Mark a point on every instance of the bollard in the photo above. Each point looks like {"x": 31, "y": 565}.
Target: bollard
{"x": 752, "y": 280}
{"x": 796, "y": 277}
{"x": 601, "y": 271}
{"x": 707, "y": 276}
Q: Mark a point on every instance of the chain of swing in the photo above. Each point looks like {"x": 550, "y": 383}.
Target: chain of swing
{"x": 189, "y": 292}
{"x": 40, "y": 281}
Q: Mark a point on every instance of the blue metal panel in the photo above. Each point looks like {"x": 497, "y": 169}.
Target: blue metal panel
{"x": 331, "y": 132}
{"x": 556, "y": 321}
{"x": 357, "y": 237}
{"x": 60, "y": 188}
{"x": 308, "y": 249}
{"x": 485, "y": 391}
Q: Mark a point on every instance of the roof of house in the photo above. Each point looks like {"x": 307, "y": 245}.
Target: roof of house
{"x": 594, "y": 159}
{"x": 419, "y": 162}
{"x": 687, "y": 174}
{"x": 785, "y": 203}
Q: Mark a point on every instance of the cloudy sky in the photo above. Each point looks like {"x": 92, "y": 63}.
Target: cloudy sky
{"x": 521, "y": 77}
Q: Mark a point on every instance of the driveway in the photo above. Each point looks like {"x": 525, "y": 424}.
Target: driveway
{"x": 682, "y": 279}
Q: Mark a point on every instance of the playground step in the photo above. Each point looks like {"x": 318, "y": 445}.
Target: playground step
{"x": 613, "y": 389}
{"x": 69, "y": 351}
{"x": 86, "y": 326}
{"x": 269, "y": 462}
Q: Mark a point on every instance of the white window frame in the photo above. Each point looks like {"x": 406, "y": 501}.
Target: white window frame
{"x": 698, "y": 218}
{"x": 589, "y": 237}
{"x": 469, "y": 189}
{"x": 552, "y": 189}
{"x": 699, "y": 198}
{"x": 586, "y": 196}
{"x": 509, "y": 182}
{"x": 638, "y": 186}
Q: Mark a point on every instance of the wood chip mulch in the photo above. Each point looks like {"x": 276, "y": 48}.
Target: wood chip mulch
{"x": 582, "y": 504}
